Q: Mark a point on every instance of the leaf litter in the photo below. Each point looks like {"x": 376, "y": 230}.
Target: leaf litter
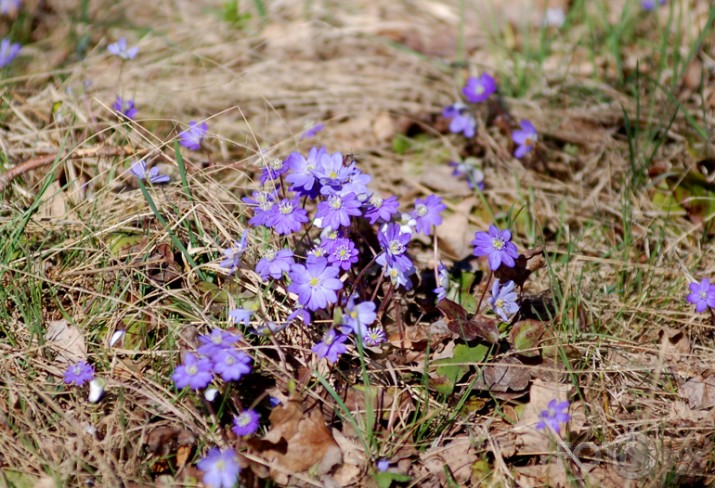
{"x": 633, "y": 365}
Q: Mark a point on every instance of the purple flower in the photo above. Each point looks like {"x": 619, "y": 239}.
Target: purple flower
{"x": 8, "y": 52}
{"x": 478, "y": 90}
{"x": 300, "y": 313}
{"x": 426, "y": 213}
{"x": 79, "y": 373}
{"x": 138, "y": 169}
{"x": 262, "y": 203}
{"x": 473, "y": 175}
{"x": 374, "y": 337}
{"x": 525, "y": 139}
{"x": 394, "y": 242}
{"x": 650, "y": 4}
{"x": 357, "y": 184}
{"x": 702, "y": 295}
{"x": 503, "y": 300}
{"x": 331, "y": 172}
{"x": 246, "y": 423}
{"x": 9, "y": 6}
{"x": 216, "y": 341}
{"x": 125, "y": 107}
{"x": 302, "y": 172}
{"x": 358, "y": 317}
{"x": 331, "y": 346}
{"x": 312, "y": 131}
{"x": 220, "y": 468}
{"x": 232, "y": 364}
{"x": 274, "y": 263}
{"x": 497, "y": 246}
{"x": 287, "y": 217}
{"x": 232, "y": 255}
{"x": 555, "y": 415}
{"x": 462, "y": 120}
{"x": 273, "y": 170}
{"x": 380, "y": 209}
{"x": 315, "y": 283}
{"x": 337, "y": 210}
{"x": 442, "y": 282}
{"x": 240, "y": 316}
{"x": 383, "y": 465}
{"x": 343, "y": 253}
{"x": 119, "y": 49}
{"x": 193, "y": 372}
{"x": 191, "y": 138}
{"x": 400, "y": 277}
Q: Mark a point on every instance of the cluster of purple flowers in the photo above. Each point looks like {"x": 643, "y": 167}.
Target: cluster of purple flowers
{"x": 328, "y": 191}
{"x": 702, "y": 295}
{"x": 216, "y": 355}
{"x": 496, "y": 245}
{"x": 462, "y": 119}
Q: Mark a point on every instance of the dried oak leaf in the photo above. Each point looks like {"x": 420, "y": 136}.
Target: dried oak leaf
{"x": 458, "y": 456}
{"x": 468, "y": 329}
{"x": 68, "y": 340}
{"x": 297, "y": 442}
{"x": 524, "y": 265}
{"x": 509, "y": 374}
{"x": 699, "y": 391}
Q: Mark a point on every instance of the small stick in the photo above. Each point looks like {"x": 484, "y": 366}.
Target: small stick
{"x": 40, "y": 161}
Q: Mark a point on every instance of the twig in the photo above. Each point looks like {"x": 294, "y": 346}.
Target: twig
{"x": 40, "y": 161}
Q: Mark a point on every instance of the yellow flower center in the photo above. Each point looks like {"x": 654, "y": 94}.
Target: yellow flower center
{"x": 314, "y": 282}
{"x": 285, "y": 208}
{"x": 498, "y": 244}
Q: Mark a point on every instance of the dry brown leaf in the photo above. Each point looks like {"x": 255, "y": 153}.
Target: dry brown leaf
{"x": 509, "y": 374}
{"x": 454, "y": 233}
{"x": 353, "y": 460}
{"x": 383, "y": 127}
{"x": 297, "y": 442}
{"x": 699, "y": 391}
{"x": 439, "y": 178}
{"x": 53, "y": 205}
{"x": 166, "y": 440}
{"x": 458, "y": 456}
{"x": 673, "y": 343}
{"x": 67, "y": 340}
{"x": 524, "y": 265}
{"x": 458, "y": 322}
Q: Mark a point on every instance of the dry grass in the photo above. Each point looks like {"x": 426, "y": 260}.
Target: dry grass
{"x": 93, "y": 254}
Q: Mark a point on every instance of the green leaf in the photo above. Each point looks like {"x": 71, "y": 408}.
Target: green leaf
{"x": 384, "y": 479}
{"x": 453, "y": 369}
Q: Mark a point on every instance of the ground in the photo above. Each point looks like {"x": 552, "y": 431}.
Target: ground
{"x": 612, "y": 212}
